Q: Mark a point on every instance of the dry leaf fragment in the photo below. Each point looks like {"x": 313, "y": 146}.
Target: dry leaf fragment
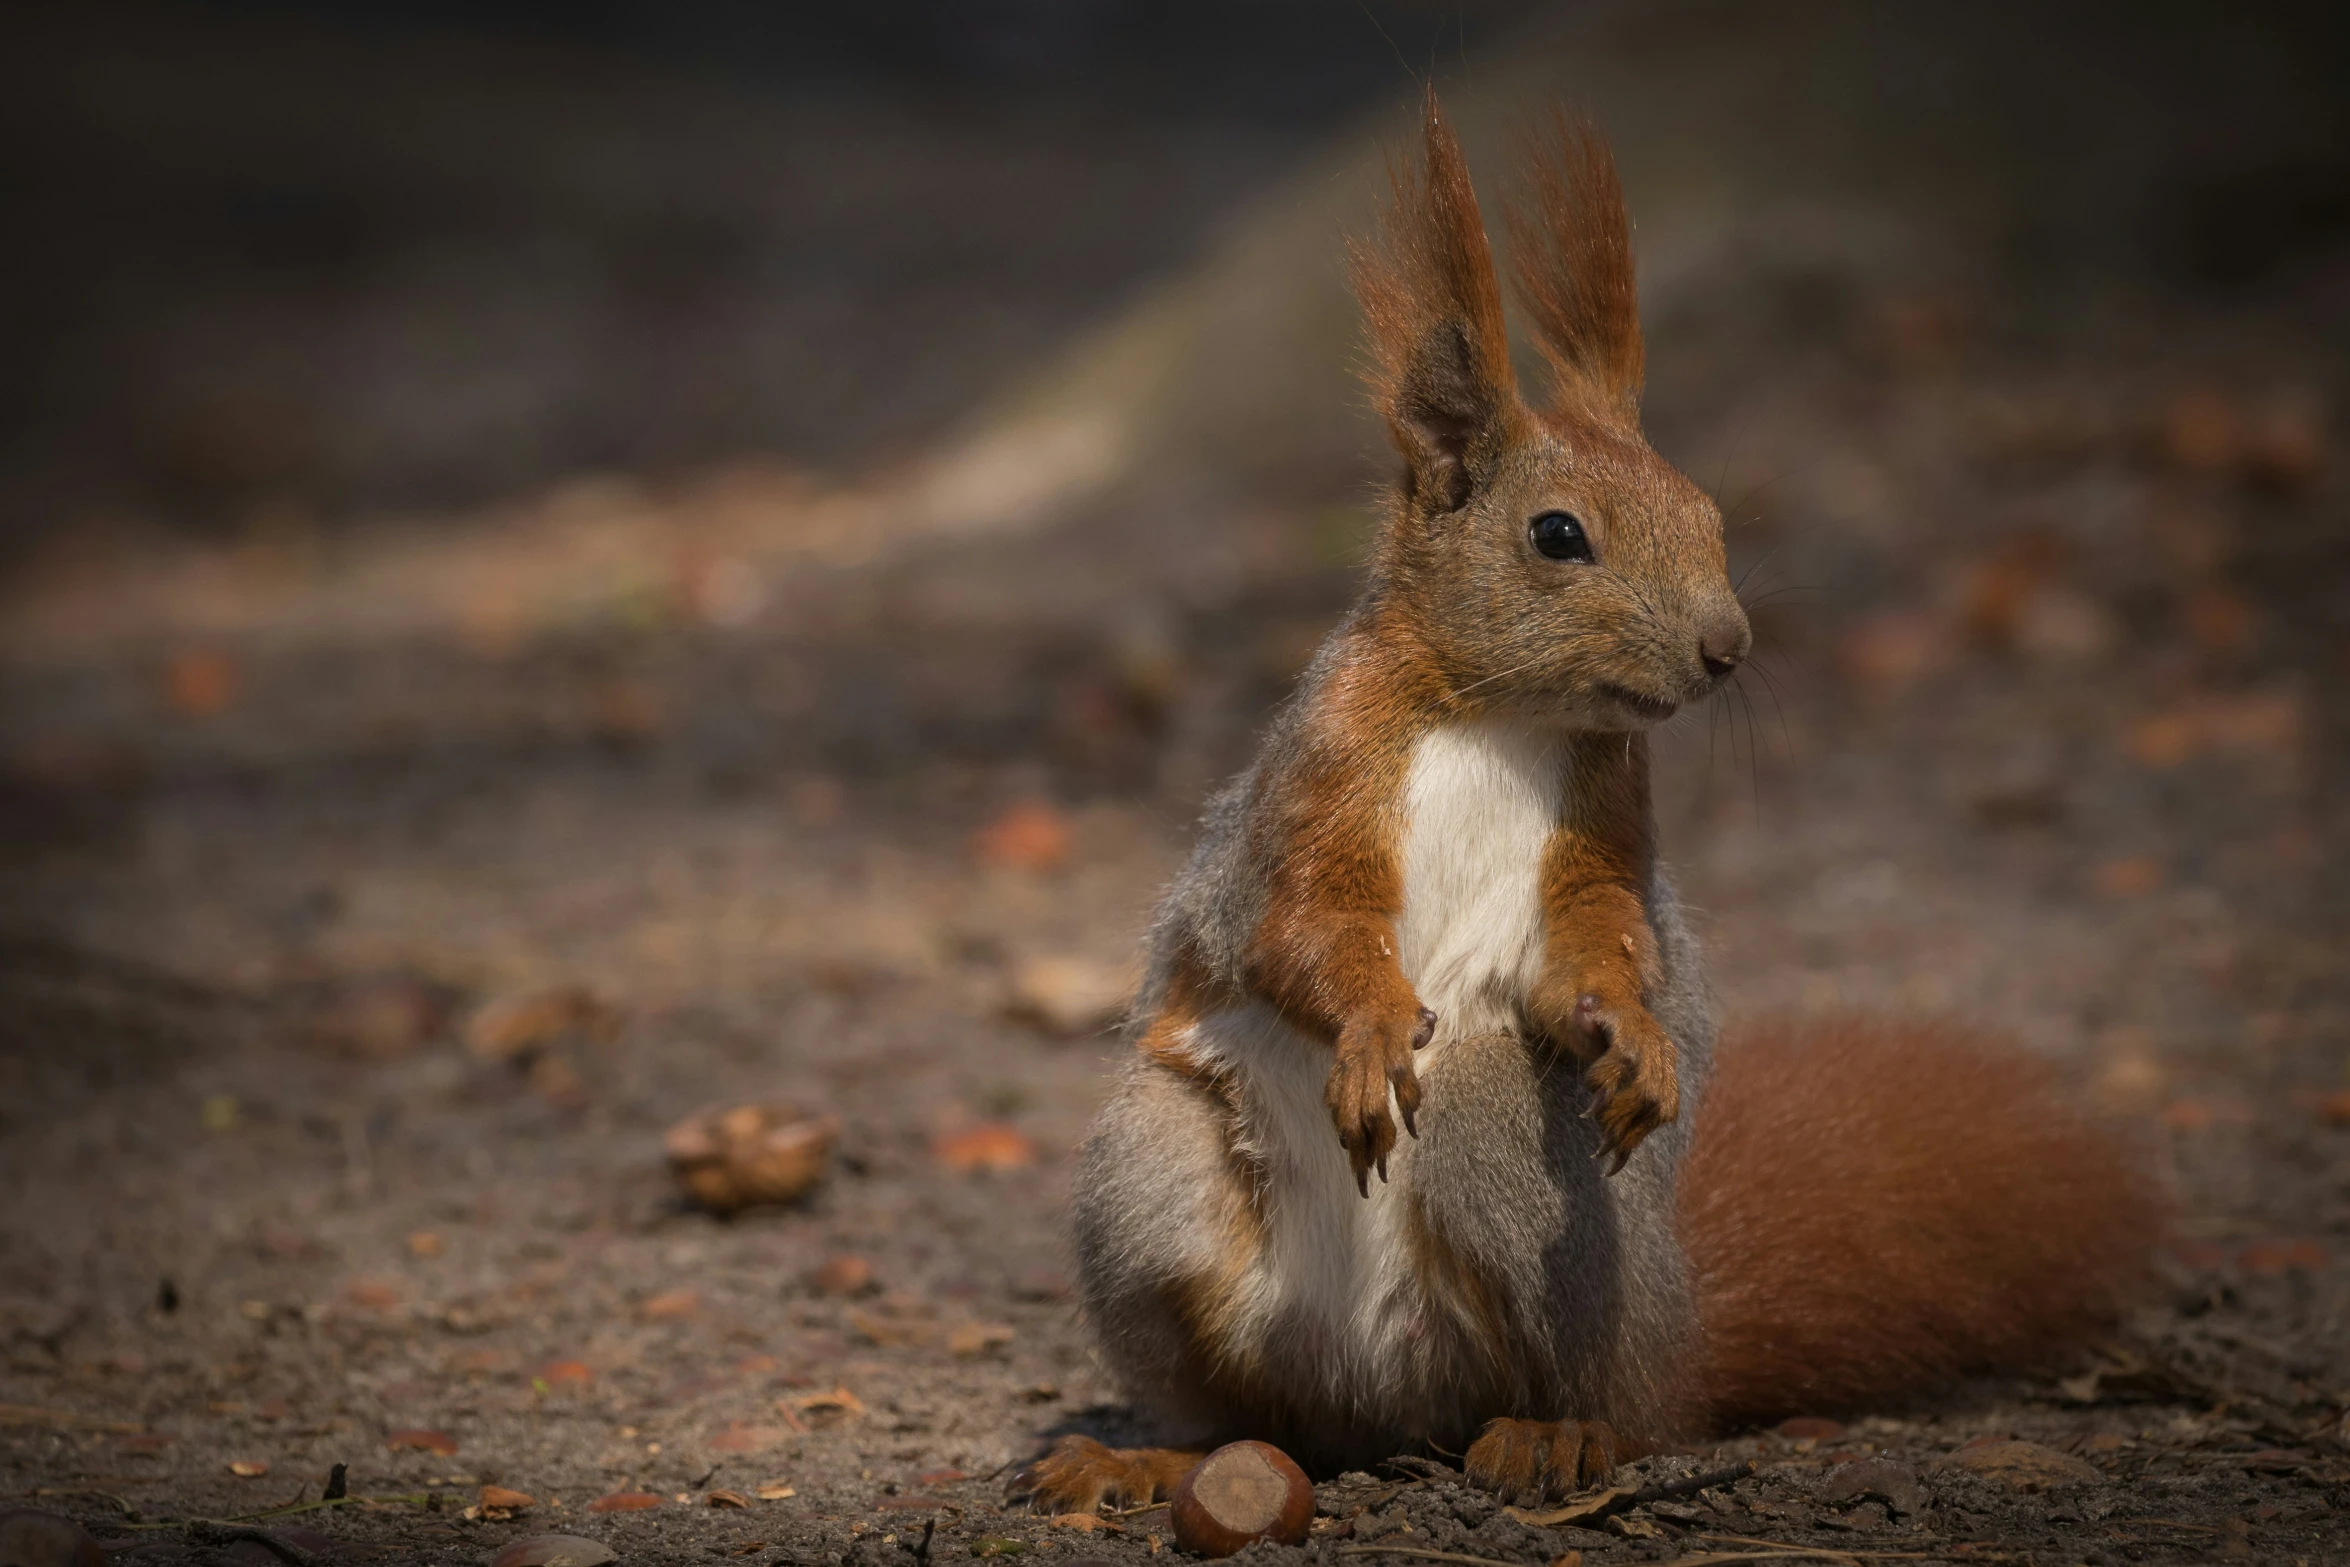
{"x": 776, "y": 1491}
{"x": 554, "y": 1550}
{"x": 738, "y": 1438}
{"x": 565, "y": 1373}
{"x": 373, "y": 1295}
{"x": 2129, "y": 878}
{"x": 728, "y": 1499}
{"x": 731, "y": 1156}
{"x": 420, "y": 1440}
{"x": 977, "y": 1338}
{"x": 376, "y": 1017}
{"x": 1069, "y": 996}
{"x": 1894, "y": 1484}
{"x": 670, "y": 1305}
{"x": 248, "y": 1468}
{"x": 424, "y": 1243}
{"x": 199, "y": 682}
{"x": 842, "y": 1275}
{"x": 990, "y": 1146}
{"x": 1031, "y": 836}
{"x": 1891, "y": 651}
{"x": 1596, "y": 1505}
{"x": 2269, "y": 1258}
{"x": 516, "y": 1027}
{"x": 897, "y": 1328}
{"x": 2201, "y": 430}
{"x": 624, "y": 1502}
{"x": 827, "y": 1409}
{"x": 496, "y": 1499}
{"x": 2024, "y": 1466}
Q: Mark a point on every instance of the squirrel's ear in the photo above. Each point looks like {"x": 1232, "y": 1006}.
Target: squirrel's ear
{"x": 1440, "y": 362}
{"x": 1571, "y": 259}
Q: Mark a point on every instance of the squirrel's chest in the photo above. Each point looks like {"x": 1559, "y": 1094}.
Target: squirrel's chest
{"x": 1480, "y": 803}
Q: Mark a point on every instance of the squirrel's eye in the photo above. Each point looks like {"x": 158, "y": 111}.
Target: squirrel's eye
{"x": 1559, "y": 536}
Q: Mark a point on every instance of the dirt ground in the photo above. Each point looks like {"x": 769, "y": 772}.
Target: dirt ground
{"x": 2049, "y": 733}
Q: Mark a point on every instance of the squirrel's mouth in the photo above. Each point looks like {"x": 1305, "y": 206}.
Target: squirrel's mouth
{"x": 1651, "y": 709}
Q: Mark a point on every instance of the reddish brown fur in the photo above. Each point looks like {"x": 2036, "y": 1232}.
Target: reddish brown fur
{"x": 1534, "y": 1461}
{"x": 1601, "y": 963}
{"x": 1872, "y": 1208}
{"x": 1324, "y": 954}
{"x": 1080, "y": 1475}
{"x": 1571, "y": 259}
{"x": 1432, "y": 308}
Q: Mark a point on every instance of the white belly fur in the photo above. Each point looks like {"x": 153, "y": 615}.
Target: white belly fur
{"x": 1480, "y": 803}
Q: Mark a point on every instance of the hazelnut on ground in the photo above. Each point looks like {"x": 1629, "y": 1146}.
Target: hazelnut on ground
{"x": 1239, "y": 1494}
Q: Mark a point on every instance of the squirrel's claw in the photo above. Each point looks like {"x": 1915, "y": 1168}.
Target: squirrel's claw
{"x": 1634, "y": 1086}
{"x": 1535, "y": 1461}
{"x": 1371, "y": 1080}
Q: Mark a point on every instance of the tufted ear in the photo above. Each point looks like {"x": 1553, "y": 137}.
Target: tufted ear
{"x": 1571, "y": 259}
{"x": 1440, "y": 363}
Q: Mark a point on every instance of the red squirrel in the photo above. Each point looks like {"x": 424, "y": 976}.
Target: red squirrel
{"x": 1427, "y": 1143}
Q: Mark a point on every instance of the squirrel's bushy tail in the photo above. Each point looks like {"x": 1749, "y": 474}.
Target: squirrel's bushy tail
{"x": 1870, "y": 1208}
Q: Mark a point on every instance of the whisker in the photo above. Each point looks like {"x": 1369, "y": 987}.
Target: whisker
{"x": 1771, "y": 689}
{"x": 1752, "y": 567}
{"x": 1753, "y": 756}
{"x": 1751, "y": 605}
{"x": 1503, "y": 675}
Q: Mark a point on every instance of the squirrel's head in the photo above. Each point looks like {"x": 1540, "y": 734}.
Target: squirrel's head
{"x": 1544, "y": 558}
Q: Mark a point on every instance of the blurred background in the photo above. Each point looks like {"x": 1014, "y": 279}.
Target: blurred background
{"x": 754, "y": 529}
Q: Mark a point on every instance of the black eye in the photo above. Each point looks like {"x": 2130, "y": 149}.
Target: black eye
{"x": 1560, "y": 537}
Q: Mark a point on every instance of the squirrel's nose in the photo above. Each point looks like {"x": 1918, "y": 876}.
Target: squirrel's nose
{"x": 1723, "y": 645}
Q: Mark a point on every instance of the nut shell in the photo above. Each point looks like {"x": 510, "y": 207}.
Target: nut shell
{"x": 732, "y": 1156}
{"x": 1239, "y": 1494}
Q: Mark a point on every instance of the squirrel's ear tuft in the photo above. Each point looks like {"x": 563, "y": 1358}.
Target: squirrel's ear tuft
{"x": 1440, "y": 365}
{"x": 1571, "y": 259}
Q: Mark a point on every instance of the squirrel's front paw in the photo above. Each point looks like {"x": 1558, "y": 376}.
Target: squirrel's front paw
{"x": 1375, "y": 1055}
{"x": 1530, "y": 1462}
{"x": 1635, "y": 1084}
{"x": 1080, "y": 1475}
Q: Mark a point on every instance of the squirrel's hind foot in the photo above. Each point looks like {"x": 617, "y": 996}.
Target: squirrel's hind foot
{"x": 1080, "y": 1475}
{"x": 1529, "y": 1462}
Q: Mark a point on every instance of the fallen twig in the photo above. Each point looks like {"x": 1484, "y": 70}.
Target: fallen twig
{"x": 1690, "y": 1485}
{"x": 1785, "y": 1553}
{"x": 2167, "y": 1523}
{"x": 60, "y": 1490}
{"x": 1424, "y": 1468}
{"x": 1784, "y": 1548}
{"x": 1434, "y": 1556}
{"x": 65, "y": 1420}
{"x": 205, "y": 1532}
